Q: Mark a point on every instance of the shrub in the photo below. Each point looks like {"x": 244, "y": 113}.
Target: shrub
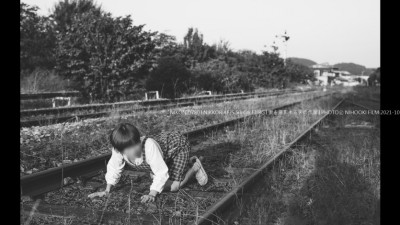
{"x": 106, "y": 57}
{"x": 170, "y": 78}
{"x": 41, "y": 80}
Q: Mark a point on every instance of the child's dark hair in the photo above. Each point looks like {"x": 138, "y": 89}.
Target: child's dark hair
{"x": 123, "y": 136}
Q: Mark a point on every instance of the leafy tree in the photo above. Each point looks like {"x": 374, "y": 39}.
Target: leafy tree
{"x": 298, "y": 73}
{"x": 170, "y": 77}
{"x": 276, "y": 74}
{"x": 217, "y": 75}
{"x": 65, "y": 12}
{"x": 272, "y": 71}
{"x": 205, "y": 81}
{"x": 166, "y": 45}
{"x": 223, "y": 47}
{"x": 247, "y": 62}
{"x": 106, "y": 57}
{"x": 37, "y": 39}
{"x": 211, "y": 76}
{"x": 196, "y": 49}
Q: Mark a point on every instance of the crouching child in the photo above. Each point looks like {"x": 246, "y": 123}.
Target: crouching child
{"x": 165, "y": 156}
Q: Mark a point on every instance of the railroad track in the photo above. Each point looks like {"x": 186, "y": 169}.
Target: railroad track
{"x": 55, "y": 115}
{"x": 228, "y": 206}
{"x": 315, "y": 176}
{"x": 61, "y": 119}
{"x": 231, "y": 198}
{"x": 354, "y": 98}
{"x": 60, "y": 110}
{"x": 39, "y": 183}
{"x": 361, "y": 101}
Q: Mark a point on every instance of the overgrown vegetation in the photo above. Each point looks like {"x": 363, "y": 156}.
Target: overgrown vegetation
{"x": 219, "y": 149}
{"x": 112, "y": 59}
{"x": 331, "y": 178}
{"x": 42, "y": 80}
{"x": 40, "y": 146}
{"x": 366, "y": 96}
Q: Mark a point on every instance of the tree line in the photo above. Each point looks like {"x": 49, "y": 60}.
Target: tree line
{"x": 109, "y": 58}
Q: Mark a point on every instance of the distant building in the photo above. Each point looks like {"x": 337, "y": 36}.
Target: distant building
{"x": 341, "y": 73}
{"x": 324, "y": 73}
{"x": 329, "y": 75}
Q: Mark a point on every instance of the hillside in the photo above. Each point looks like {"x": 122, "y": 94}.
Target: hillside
{"x": 302, "y": 61}
{"x": 353, "y": 68}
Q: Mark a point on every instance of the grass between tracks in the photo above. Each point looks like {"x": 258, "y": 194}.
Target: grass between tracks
{"x": 367, "y": 96}
{"x": 262, "y": 138}
{"x": 332, "y": 179}
{"x": 46, "y": 147}
{"x": 128, "y": 105}
{"x": 247, "y": 145}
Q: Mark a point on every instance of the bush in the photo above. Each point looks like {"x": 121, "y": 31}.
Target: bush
{"x": 41, "y": 80}
{"x": 106, "y": 57}
{"x": 205, "y": 81}
{"x": 218, "y": 76}
{"x": 37, "y": 39}
{"x": 170, "y": 78}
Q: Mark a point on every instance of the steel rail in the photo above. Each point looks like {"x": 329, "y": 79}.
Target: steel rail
{"x": 361, "y": 106}
{"x": 351, "y": 101}
{"x": 59, "y": 119}
{"x": 51, "y": 179}
{"x": 374, "y": 100}
{"x": 238, "y": 191}
{"x": 40, "y": 111}
{"x": 59, "y": 110}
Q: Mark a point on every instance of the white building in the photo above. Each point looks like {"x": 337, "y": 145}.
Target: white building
{"x": 324, "y": 73}
{"x": 329, "y": 75}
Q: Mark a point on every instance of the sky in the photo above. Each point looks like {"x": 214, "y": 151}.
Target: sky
{"x": 331, "y": 31}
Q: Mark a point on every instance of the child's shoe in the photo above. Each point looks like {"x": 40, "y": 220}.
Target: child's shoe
{"x": 201, "y": 175}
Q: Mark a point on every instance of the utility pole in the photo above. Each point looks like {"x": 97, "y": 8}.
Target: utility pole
{"x": 285, "y": 39}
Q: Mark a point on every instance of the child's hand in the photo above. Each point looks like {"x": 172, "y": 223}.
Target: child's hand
{"x": 148, "y": 198}
{"x": 99, "y": 194}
